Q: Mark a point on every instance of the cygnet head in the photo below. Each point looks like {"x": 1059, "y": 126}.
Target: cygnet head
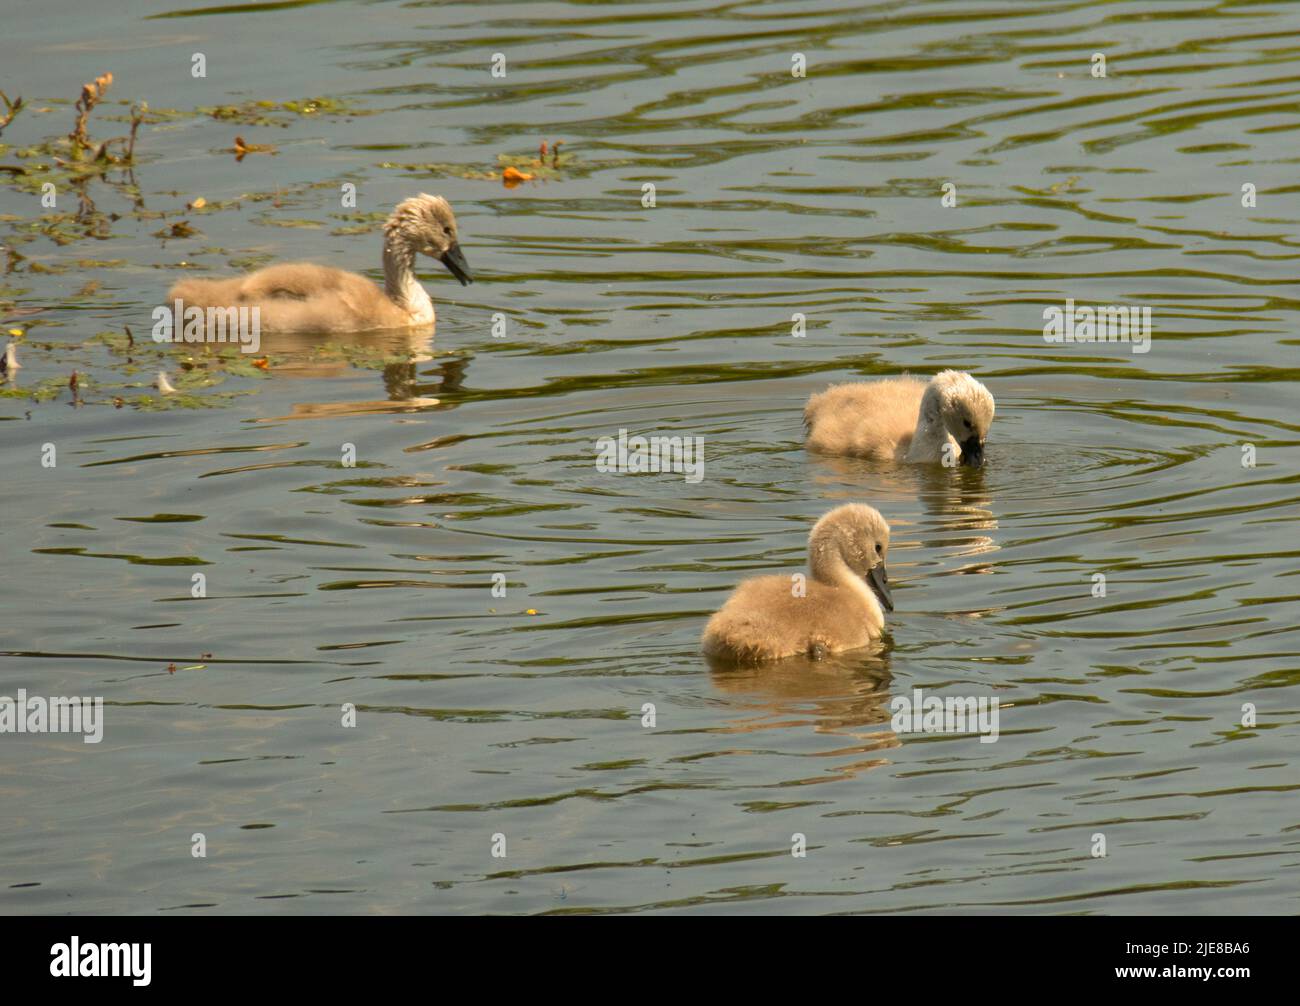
{"x": 857, "y": 536}
{"x": 426, "y": 224}
{"x": 966, "y": 409}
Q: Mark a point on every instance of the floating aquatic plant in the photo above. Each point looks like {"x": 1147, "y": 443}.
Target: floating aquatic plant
{"x": 81, "y": 143}
{"x": 280, "y": 113}
{"x": 511, "y": 170}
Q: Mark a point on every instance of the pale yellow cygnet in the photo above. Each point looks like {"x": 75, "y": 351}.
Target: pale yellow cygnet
{"x": 839, "y": 605}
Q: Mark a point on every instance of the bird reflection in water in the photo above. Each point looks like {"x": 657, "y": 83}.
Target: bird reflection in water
{"x": 402, "y": 353}
{"x": 844, "y": 695}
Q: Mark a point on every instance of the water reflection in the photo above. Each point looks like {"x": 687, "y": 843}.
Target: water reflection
{"x": 409, "y": 387}
{"x": 845, "y": 695}
{"x": 960, "y": 499}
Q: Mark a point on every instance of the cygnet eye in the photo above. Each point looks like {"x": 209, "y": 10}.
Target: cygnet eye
{"x": 877, "y": 548}
{"x": 967, "y": 422}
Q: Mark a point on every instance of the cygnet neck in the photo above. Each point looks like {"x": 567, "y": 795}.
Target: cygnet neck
{"x": 930, "y": 434}
{"x": 400, "y": 284}
{"x": 826, "y": 556}
{"x": 827, "y": 565}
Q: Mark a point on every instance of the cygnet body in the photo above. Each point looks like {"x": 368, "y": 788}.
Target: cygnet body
{"x": 903, "y": 419}
{"x": 838, "y": 605}
{"x": 305, "y": 297}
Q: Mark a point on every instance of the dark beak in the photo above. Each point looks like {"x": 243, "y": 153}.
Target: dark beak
{"x": 878, "y": 580}
{"x": 972, "y": 452}
{"x": 454, "y": 259}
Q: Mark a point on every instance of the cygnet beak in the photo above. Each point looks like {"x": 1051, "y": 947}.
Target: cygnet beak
{"x": 454, "y": 259}
{"x": 878, "y": 580}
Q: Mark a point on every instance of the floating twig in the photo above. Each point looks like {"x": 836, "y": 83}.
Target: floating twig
{"x": 242, "y": 147}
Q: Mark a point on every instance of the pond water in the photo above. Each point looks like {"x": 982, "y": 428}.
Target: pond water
{"x": 484, "y": 720}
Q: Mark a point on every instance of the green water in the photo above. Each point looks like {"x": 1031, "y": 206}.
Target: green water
{"x": 775, "y": 195}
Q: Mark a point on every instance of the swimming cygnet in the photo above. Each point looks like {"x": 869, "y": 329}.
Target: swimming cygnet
{"x": 836, "y": 607}
{"x": 9, "y": 365}
{"x": 902, "y": 419}
{"x": 304, "y": 297}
